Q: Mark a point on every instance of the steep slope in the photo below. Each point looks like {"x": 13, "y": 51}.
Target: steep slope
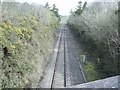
{"x": 97, "y": 30}
{"x": 27, "y": 36}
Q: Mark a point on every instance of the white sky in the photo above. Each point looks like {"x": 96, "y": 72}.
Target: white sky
{"x": 64, "y": 6}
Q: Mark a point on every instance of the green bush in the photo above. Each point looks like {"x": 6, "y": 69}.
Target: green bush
{"x": 91, "y": 71}
{"x": 97, "y": 29}
{"x": 24, "y": 50}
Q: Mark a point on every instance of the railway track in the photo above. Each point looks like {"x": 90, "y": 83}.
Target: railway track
{"x": 67, "y": 70}
{"x": 52, "y": 84}
{"x": 78, "y": 60}
{"x": 65, "y": 58}
{"x": 76, "y": 72}
{"x": 61, "y": 46}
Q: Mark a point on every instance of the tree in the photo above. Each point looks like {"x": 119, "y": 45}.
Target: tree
{"x": 47, "y": 5}
{"x": 55, "y": 11}
{"x": 85, "y": 3}
{"x": 80, "y": 8}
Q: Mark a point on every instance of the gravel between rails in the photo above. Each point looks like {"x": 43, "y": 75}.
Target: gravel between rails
{"x": 63, "y": 69}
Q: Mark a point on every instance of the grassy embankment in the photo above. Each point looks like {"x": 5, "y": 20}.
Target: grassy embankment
{"x": 27, "y": 36}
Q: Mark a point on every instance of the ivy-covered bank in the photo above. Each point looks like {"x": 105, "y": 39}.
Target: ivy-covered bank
{"x": 96, "y": 27}
{"x": 27, "y": 34}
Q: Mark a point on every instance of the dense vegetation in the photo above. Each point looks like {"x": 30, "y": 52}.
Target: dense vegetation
{"x": 96, "y": 26}
{"x": 54, "y": 9}
{"x": 26, "y": 41}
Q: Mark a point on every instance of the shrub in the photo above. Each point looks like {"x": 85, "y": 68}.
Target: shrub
{"x": 21, "y": 62}
{"x": 101, "y": 37}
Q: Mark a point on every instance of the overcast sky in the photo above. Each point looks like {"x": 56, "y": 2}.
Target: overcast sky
{"x": 64, "y": 6}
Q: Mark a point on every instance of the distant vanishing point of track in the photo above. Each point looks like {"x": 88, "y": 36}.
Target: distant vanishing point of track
{"x": 64, "y": 68}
